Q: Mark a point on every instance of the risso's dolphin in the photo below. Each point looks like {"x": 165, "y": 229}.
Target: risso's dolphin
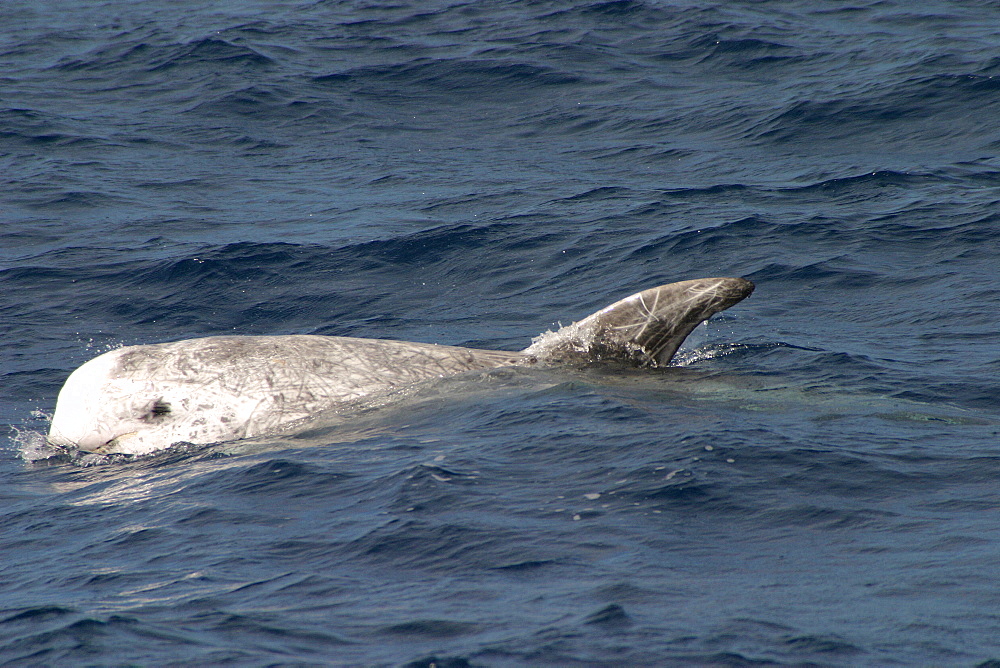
{"x": 140, "y": 399}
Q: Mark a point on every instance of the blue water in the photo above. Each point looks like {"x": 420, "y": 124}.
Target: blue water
{"x": 816, "y": 483}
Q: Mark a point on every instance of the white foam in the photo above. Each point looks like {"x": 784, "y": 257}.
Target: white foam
{"x": 571, "y": 338}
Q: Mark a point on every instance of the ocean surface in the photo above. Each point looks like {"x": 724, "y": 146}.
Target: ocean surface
{"x": 815, "y": 482}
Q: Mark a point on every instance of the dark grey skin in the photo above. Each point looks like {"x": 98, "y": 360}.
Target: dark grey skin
{"x": 140, "y": 399}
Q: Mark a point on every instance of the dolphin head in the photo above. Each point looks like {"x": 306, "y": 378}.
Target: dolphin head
{"x": 103, "y": 409}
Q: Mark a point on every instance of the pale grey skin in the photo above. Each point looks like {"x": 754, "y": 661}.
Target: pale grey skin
{"x": 140, "y": 399}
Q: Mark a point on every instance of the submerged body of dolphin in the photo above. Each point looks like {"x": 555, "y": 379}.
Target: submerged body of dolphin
{"x": 140, "y": 399}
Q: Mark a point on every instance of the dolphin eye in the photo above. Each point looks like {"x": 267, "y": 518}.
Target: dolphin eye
{"x": 158, "y": 410}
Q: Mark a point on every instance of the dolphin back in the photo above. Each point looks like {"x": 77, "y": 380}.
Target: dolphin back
{"x": 141, "y": 398}
{"x": 644, "y": 329}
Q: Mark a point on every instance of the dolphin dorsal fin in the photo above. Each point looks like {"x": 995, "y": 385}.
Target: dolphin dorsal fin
{"x": 645, "y": 329}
